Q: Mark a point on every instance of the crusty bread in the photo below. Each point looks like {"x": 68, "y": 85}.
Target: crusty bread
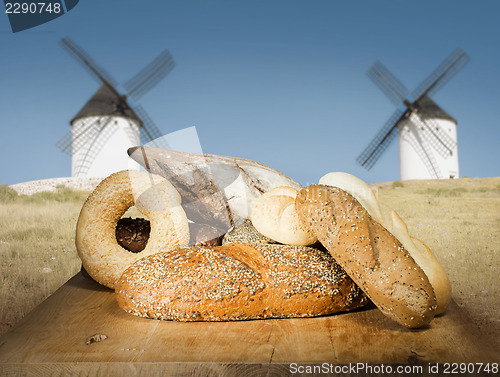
{"x": 369, "y": 253}
{"x": 102, "y": 257}
{"x": 390, "y": 220}
{"x": 273, "y": 214}
{"x": 237, "y": 282}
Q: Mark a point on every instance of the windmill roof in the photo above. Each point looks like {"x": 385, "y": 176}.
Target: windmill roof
{"x": 430, "y": 109}
{"x": 107, "y": 101}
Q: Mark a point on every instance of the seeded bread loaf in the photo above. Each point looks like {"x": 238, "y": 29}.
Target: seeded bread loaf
{"x": 390, "y": 220}
{"x": 237, "y": 282}
{"x": 369, "y": 253}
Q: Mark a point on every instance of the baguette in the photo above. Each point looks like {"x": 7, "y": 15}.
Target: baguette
{"x": 369, "y": 253}
{"x": 237, "y": 282}
{"x": 390, "y": 220}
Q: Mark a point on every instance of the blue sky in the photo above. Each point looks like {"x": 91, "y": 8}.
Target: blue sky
{"x": 279, "y": 82}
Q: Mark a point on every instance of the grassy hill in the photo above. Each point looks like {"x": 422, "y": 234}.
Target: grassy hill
{"x": 458, "y": 219}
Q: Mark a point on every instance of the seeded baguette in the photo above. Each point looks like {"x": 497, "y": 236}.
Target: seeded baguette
{"x": 390, "y": 220}
{"x": 369, "y": 253}
{"x": 237, "y": 282}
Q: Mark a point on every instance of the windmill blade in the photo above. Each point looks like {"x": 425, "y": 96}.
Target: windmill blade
{"x": 387, "y": 83}
{"x": 72, "y": 141}
{"x": 423, "y": 151}
{"x": 99, "y": 139}
{"x": 149, "y": 132}
{"x": 442, "y": 74}
{"x": 64, "y": 143}
{"x": 131, "y": 132}
{"x": 379, "y": 144}
{"x": 435, "y": 136}
{"x": 90, "y": 129}
{"x": 150, "y": 75}
{"x": 82, "y": 57}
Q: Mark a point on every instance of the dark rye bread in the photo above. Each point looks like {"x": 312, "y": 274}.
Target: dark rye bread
{"x": 372, "y": 256}
{"x": 237, "y": 282}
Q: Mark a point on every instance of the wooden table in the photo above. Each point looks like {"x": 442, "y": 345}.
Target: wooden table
{"x": 51, "y": 340}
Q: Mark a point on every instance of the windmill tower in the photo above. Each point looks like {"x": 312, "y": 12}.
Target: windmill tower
{"x": 109, "y": 123}
{"x": 427, "y": 134}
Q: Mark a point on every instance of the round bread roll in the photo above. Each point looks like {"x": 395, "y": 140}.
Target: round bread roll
{"x": 273, "y": 214}
{"x": 390, "y": 220}
{"x": 102, "y": 257}
{"x": 237, "y": 282}
{"x": 369, "y": 253}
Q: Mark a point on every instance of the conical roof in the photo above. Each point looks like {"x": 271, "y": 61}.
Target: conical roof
{"x": 430, "y": 109}
{"x": 107, "y": 101}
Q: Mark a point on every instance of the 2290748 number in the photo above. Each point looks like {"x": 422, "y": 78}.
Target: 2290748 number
{"x": 456, "y": 368}
{"x": 23, "y": 8}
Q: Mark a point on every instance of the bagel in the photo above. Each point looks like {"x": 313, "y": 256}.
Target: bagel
{"x": 273, "y": 215}
{"x": 389, "y": 219}
{"x": 102, "y": 257}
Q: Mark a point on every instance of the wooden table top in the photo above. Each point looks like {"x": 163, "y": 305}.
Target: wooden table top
{"x": 52, "y": 340}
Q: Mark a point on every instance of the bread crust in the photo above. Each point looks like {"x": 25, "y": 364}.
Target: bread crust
{"x": 102, "y": 257}
{"x": 237, "y": 282}
{"x": 273, "y": 214}
{"x": 369, "y": 253}
{"x": 390, "y": 220}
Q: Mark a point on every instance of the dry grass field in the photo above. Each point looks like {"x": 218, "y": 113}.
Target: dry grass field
{"x": 37, "y": 248}
{"x": 458, "y": 219}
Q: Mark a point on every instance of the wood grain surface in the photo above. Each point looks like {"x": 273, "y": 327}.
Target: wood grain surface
{"x": 52, "y": 340}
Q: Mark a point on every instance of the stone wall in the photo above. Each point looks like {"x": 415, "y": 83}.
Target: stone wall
{"x": 51, "y": 184}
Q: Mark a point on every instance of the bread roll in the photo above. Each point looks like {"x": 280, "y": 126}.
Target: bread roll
{"x": 369, "y": 253}
{"x": 273, "y": 214}
{"x": 237, "y": 282}
{"x": 390, "y": 220}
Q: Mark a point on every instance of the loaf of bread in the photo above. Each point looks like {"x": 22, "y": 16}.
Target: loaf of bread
{"x": 237, "y": 282}
{"x": 369, "y": 253}
{"x": 390, "y": 220}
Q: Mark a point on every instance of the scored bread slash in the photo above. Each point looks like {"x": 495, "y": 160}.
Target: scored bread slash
{"x": 369, "y": 253}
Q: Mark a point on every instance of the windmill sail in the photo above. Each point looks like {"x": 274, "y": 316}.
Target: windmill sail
{"x": 434, "y": 142}
{"x": 422, "y": 149}
{"x": 96, "y": 71}
{"x": 442, "y": 75}
{"x": 75, "y": 139}
{"x": 387, "y": 83}
{"x": 379, "y": 144}
{"x": 150, "y": 75}
{"x": 89, "y": 151}
{"x": 428, "y": 112}
{"x": 108, "y": 121}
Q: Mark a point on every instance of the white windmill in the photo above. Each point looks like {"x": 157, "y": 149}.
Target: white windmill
{"x": 108, "y": 124}
{"x": 427, "y": 134}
